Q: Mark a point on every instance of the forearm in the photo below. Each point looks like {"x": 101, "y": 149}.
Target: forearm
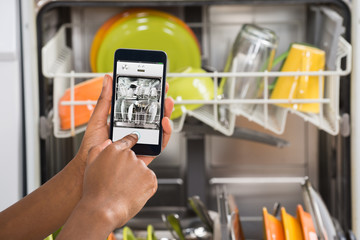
{"x": 87, "y": 221}
{"x": 46, "y": 209}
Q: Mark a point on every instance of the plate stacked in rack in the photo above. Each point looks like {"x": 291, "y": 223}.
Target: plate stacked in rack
{"x": 145, "y": 29}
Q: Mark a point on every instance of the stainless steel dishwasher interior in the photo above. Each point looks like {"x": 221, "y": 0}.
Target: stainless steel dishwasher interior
{"x": 196, "y": 163}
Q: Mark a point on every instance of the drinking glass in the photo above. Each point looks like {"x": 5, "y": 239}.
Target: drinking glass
{"x": 253, "y": 51}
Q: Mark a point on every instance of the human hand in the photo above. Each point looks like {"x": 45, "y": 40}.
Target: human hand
{"x": 117, "y": 184}
{"x": 117, "y": 180}
{"x": 97, "y": 130}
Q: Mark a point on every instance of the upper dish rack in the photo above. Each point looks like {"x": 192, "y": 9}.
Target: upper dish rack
{"x": 217, "y": 113}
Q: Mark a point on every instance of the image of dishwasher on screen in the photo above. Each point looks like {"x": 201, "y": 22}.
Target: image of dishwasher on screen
{"x": 137, "y": 102}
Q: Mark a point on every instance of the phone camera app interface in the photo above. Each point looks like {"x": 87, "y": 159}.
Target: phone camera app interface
{"x": 137, "y": 105}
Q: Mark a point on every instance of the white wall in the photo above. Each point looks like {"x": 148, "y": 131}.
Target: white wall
{"x": 10, "y": 105}
{"x": 31, "y": 94}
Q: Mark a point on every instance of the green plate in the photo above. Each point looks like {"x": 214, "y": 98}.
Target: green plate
{"x": 151, "y": 32}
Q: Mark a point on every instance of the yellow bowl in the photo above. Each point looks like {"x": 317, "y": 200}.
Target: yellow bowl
{"x": 190, "y": 88}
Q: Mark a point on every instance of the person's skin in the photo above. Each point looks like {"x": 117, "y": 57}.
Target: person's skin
{"x": 46, "y": 209}
{"x": 118, "y": 197}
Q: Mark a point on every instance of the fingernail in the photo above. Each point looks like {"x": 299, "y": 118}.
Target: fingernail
{"x": 105, "y": 80}
{"x": 136, "y": 134}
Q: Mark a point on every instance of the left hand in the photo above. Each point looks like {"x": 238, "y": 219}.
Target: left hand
{"x": 97, "y": 130}
{"x": 116, "y": 186}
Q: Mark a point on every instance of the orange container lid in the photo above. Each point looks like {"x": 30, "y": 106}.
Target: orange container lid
{"x": 86, "y": 91}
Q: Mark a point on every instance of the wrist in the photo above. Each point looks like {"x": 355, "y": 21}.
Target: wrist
{"x": 79, "y": 165}
{"x": 105, "y": 218}
{"x": 72, "y": 178}
{"x": 87, "y": 221}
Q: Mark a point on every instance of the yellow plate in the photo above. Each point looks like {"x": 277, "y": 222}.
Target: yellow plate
{"x": 291, "y": 226}
{"x": 99, "y": 36}
{"x": 148, "y": 29}
{"x": 101, "y": 33}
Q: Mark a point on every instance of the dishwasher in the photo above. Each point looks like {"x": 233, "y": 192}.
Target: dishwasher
{"x": 261, "y": 157}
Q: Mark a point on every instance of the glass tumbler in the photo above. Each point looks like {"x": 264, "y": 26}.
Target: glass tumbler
{"x": 253, "y": 51}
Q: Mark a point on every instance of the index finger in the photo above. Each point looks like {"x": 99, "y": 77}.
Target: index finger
{"x": 101, "y": 111}
{"x": 128, "y": 141}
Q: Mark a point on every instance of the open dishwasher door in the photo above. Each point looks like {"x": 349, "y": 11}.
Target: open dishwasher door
{"x": 198, "y": 162}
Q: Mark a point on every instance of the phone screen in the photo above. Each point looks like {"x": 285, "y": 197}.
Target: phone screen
{"x": 137, "y": 102}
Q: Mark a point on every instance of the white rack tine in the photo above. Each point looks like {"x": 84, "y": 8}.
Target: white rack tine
{"x": 266, "y": 118}
{"x": 215, "y": 106}
{"x": 223, "y": 101}
{"x": 212, "y": 74}
{"x": 321, "y": 95}
{"x": 72, "y": 110}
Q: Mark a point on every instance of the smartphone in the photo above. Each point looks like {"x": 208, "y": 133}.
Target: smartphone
{"x": 138, "y": 98}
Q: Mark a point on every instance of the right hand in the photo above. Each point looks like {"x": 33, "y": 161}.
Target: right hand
{"x": 97, "y": 130}
{"x": 116, "y": 181}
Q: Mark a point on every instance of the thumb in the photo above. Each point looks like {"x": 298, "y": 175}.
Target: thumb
{"x": 101, "y": 111}
{"x": 128, "y": 141}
